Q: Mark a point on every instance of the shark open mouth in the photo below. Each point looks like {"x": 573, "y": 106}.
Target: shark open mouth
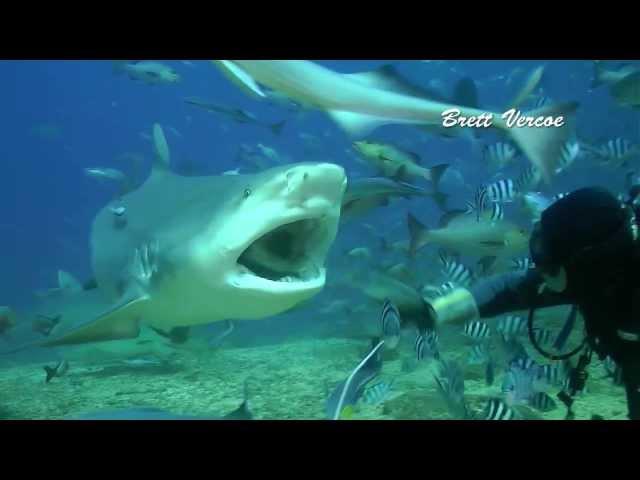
{"x": 293, "y": 252}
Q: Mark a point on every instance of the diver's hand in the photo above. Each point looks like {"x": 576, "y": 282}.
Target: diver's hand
{"x": 456, "y": 307}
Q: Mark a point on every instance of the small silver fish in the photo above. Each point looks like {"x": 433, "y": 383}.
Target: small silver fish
{"x": 105, "y": 173}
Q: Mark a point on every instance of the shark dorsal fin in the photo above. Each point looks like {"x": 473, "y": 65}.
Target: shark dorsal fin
{"x": 465, "y": 93}
{"x": 533, "y": 80}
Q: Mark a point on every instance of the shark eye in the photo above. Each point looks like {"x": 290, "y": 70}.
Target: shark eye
{"x": 247, "y": 193}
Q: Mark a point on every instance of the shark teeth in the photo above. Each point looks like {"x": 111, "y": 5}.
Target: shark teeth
{"x": 308, "y": 274}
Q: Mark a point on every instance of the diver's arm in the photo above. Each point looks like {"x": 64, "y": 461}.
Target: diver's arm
{"x": 514, "y": 291}
{"x": 494, "y": 296}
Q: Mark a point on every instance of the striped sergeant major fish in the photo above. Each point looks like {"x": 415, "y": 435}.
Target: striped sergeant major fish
{"x": 543, "y": 336}
{"x": 477, "y": 331}
{"x": 522, "y": 264}
{"x": 479, "y": 202}
{"x": 543, "y": 402}
{"x": 455, "y": 271}
{"x": 426, "y": 345}
{"x": 435, "y": 292}
{"x": 551, "y": 375}
{"x": 502, "y": 191}
{"x": 378, "y": 393}
{"x": 497, "y": 211}
{"x": 617, "y": 151}
{"x": 512, "y": 326}
{"x": 446, "y": 287}
{"x": 390, "y": 322}
{"x": 497, "y": 409}
{"x": 528, "y": 180}
{"x": 499, "y": 155}
{"x": 523, "y": 363}
{"x": 479, "y": 354}
{"x": 568, "y": 154}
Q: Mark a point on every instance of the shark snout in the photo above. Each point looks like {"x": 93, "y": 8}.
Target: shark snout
{"x": 324, "y": 181}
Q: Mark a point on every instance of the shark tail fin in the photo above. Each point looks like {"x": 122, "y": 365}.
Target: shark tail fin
{"x": 417, "y": 234}
{"x": 51, "y": 373}
{"x": 276, "y": 128}
{"x": 242, "y": 412}
{"x": 465, "y": 93}
{"x": 435, "y": 173}
{"x": 543, "y": 146}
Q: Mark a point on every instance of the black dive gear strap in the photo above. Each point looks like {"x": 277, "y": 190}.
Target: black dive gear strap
{"x": 576, "y": 383}
{"x": 577, "y": 376}
{"x": 536, "y": 345}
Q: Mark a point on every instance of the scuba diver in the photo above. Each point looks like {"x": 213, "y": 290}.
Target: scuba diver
{"x": 586, "y": 253}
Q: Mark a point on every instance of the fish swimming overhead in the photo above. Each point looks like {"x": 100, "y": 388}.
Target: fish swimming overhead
{"x": 397, "y": 163}
{"x": 609, "y": 77}
{"x": 151, "y": 73}
{"x": 626, "y": 92}
{"x": 365, "y": 194}
{"x": 464, "y": 234}
{"x": 360, "y": 103}
{"x": 201, "y": 249}
{"x": 236, "y": 114}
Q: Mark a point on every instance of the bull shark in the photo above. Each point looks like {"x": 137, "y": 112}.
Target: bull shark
{"x": 194, "y": 250}
{"x": 360, "y": 103}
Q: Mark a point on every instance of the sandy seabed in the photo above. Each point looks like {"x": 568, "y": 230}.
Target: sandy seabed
{"x": 286, "y": 381}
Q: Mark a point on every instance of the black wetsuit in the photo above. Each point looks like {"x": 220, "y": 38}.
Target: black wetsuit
{"x": 611, "y": 312}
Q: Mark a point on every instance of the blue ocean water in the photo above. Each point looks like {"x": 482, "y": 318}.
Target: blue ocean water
{"x": 60, "y": 117}
{"x": 48, "y": 202}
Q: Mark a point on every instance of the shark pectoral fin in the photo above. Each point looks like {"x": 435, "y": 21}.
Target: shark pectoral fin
{"x": 358, "y": 124}
{"x": 543, "y": 146}
{"x": 68, "y": 283}
{"x": 119, "y": 322}
{"x": 241, "y": 78}
{"x": 533, "y": 80}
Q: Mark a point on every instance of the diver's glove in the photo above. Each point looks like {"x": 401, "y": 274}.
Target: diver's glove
{"x": 456, "y": 307}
